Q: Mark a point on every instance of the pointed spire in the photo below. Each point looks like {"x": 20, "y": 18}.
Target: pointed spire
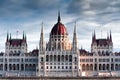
{"x": 10, "y": 36}
{"x": 74, "y": 38}
{"x": 7, "y": 36}
{"x": 94, "y": 37}
{"x": 23, "y": 35}
{"x": 59, "y": 19}
{"x": 42, "y": 43}
{"x": 107, "y": 36}
{"x": 110, "y": 36}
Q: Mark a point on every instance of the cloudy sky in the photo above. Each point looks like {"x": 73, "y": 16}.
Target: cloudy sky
{"x": 27, "y": 15}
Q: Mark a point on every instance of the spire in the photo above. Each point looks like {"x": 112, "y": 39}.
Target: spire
{"x": 10, "y": 36}
{"x": 94, "y": 37}
{"x": 107, "y": 36}
{"x": 59, "y": 19}
{"x": 110, "y": 36}
{"x": 7, "y": 37}
{"x": 74, "y": 38}
{"x": 23, "y": 35}
{"x": 42, "y": 43}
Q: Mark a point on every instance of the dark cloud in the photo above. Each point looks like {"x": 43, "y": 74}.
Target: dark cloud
{"x": 100, "y": 10}
{"x": 26, "y": 8}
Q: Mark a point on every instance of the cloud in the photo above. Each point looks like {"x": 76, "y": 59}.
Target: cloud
{"x": 25, "y": 9}
{"x": 101, "y": 11}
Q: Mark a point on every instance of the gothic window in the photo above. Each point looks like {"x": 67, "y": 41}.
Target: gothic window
{"x": 17, "y": 66}
{"x": 42, "y": 59}
{"x": 47, "y": 58}
{"x": 22, "y": 66}
{"x": 50, "y": 67}
{"x": 62, "y": 67}
{"x": 54, "y": 67}
{"x": 116, "y": 66}
{"x": 75, "y": 59}
{"x": 70, "y": 58}
{"x": 100, "y": 67}
{"x": 91, "y": 67}
{"x": 104, "y": 66}
{"x": 50, "y": 57}
{"x": 112, "y": 60}
{"x": 103, "y": 53}
{"x": 66, "y": 67}
{"x": 75, "y": 67}
{"x": 112, "y": 66}
{"x": 58, "y": 67}
{"x": 87, "y": 67}
{"x": 14, "y": 68}
{"x": 58, "y": 57}
{"x": 66, "y": 57}
{"x": 83, "y": 67}
{"x": 62, "y": 57}
{"x": 95, "y": 60}
{"x": 107, "y": 67}
{"x": 54, "y": 57}
{"x": 5, "y": 67}
{"x": 95, "y": 67}
{"x": 10, "y": 66}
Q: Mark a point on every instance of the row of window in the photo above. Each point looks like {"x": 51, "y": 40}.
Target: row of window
{"x": 58, "y": 67}
{"x": 117, "y": 60}
{"x": 59, "y": 63}
{"x": 31, "y": 60}
{"x": 86, "y": 60}
{"x": 104, "y": 60}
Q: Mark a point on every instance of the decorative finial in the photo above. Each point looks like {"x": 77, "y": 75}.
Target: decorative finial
{"x": 59, "y": 19}
{"x": 10, "y": 36}
{"x": 7, "y": 35}
{"x": 23, "y": 35}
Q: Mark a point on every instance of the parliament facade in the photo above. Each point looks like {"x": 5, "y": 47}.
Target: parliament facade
{"x": 59, "y": 57}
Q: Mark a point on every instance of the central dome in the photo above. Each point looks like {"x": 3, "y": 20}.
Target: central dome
{"x": 59, "y": 28}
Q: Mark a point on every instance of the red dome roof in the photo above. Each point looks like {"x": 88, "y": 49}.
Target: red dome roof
{"x": 59, "y": 29}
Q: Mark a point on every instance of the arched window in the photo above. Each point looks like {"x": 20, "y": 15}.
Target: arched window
{"x": 66, "y": 58}
{"x": 83, "y": 67}
{"x": 70, "y": 58}
{"x": 104, "y": 67}
{"x": 47, "y": 58}
{"x": 22, "y": 66}
{"x": 91, "y": 67}
{"x": 54, "y": 57}
{"x": 87, "y": 67}
{"x": 75, "y": 59}
{"x": 116, "y": 66}
{"x": 17, "y": 66}
{"x": 50, "y": 57}
{"x": 62, "y": 57}
{"x": 107, "y": 67}
{"x": 58, "y": 57}
{"x": 100, "y": 67}
{"x": 41, "y": 59}
{"x": 95, "y": 67}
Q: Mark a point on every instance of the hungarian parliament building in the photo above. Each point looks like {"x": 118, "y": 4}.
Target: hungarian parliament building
{"x": 59, "y": 57}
